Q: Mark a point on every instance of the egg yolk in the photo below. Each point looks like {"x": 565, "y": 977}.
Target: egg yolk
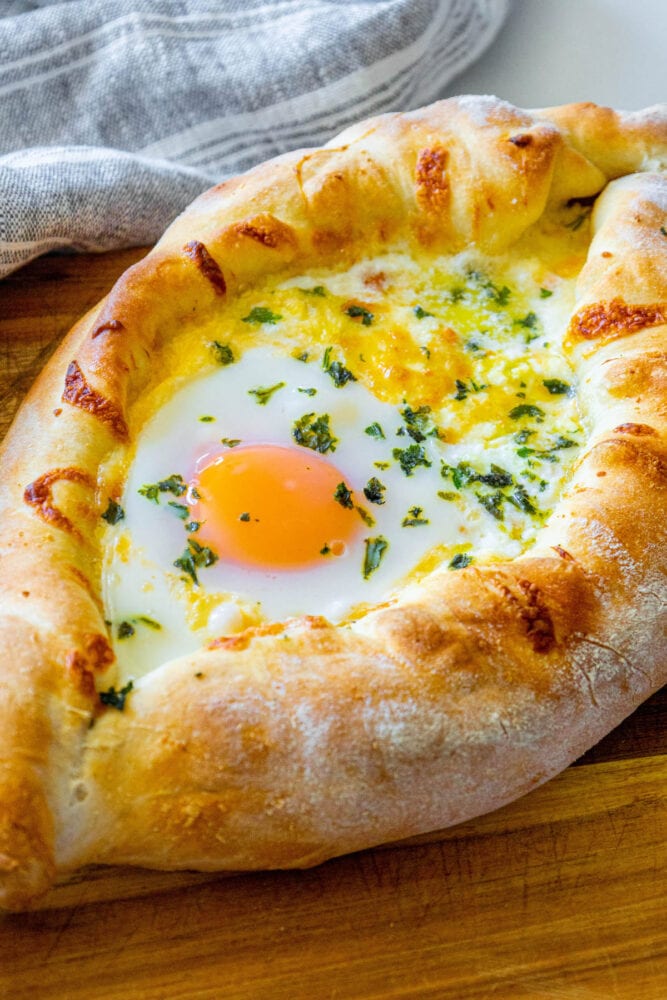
{"x": 272, "y": 507}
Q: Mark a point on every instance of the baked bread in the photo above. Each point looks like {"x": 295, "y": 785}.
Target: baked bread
{"x": 285, "y": 742}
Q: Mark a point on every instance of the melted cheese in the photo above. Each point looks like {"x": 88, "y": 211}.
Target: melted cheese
{"x": 461, "y": 363}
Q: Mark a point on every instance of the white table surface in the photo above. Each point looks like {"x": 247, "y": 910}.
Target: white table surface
{"x": 549, "y": 52}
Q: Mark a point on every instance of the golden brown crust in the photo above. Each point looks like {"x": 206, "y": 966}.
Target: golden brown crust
{"x": 295, "y": 742}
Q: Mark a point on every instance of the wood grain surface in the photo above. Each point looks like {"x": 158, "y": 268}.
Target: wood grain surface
{"x": 560, "y": 896}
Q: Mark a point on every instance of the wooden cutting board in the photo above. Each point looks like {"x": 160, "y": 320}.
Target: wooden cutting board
{"x": 561, "y": 896}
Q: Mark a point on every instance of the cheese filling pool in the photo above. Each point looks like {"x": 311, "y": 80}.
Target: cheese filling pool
{"x": 331, "y": 439}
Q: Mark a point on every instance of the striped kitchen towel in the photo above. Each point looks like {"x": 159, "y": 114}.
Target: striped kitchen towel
{"x": 114, "y": 114}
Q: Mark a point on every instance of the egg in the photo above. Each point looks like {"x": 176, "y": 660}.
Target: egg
{"x": 281, "y": 481}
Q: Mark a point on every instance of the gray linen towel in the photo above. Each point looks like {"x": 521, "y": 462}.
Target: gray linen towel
{"x": 114, "y": 114}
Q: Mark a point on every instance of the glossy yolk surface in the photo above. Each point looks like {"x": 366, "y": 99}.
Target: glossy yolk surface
{"x": 272, "y": 507}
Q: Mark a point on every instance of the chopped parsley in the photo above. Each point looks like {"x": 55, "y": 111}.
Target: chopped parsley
{"x": 414, "y": 518}
{"x": 358, "y": 312}
{"x": 374, "y": 430}
{"x": 318, "y": 290}
{"x": 245, "y": 516}
{"x": 421, "y": 313}
{"x": 230, "y": 442}
{"x": 343, "y": 496}
{"x": 463, "y": 390}
{"x": 179, "y": 509}
{"x": 364, "y": 515}
{"x": 259, "y": 315}
{"x": 527, "y": 410}
{"x": 492, "y": 502}
{"x": 264, "y": 393}
{"x": 148, "y": 622}
{"x": 556, "y": 387}
{"x": 409, "y": 458}
{"x": 545, "y": 293}
{"x": 151, "y": 491}
{"x": 195, "y": 557}
{"x": 307, "y": 392}
{"x": 223, "y": 353}
{"x": 314, "y": 432}
{"x": 419, "y": 423}
{"x": 125, "y": 630}
{"x": 460, "y": 561}
{"x": 337, "y": 370}
{"x": 114, "y": 513}
{"x": 529, "y": 321}
{"x": 375, "y": 550}
{"x": 374, "y": 490}
{"x": 206, "y": 420}
{"x": 520, "y": 499}
{"x": 558, "y": 444}
{"x": 501, "y": 488}
{"x": 174, "y": 485}
{"x": 116, "y": 699}
{"x": 500, "y": 296}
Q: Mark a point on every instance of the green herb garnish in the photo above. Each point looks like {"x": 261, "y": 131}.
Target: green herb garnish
{"x": 314, "y": 432}
{"x": 374, "y": 431}
{"x": 364, "y": 515}
{"x": 527, "y": 410}
{"x": 179, "y": 509}
{"x": 492, "y": 502}
{"x": 358, "y": 312}
{"x": 195, "y": 557}
{"x": 264, "y": 393}
{"x": 374, "y": 491}
{"x": 125, "y": 630}
{"x": 259, "y": 315}
{"x": 520, "y": 499}
{"x": 460, "y": 561}
{"x": 463, "y": 389}
{"x": 307, "y": 392}
{"x": 174, "y": 485}
{"x": 421, "y": 313}
{"x": 114, "y": 513}
{"x": 414, "y": 518}
{"x": 318, "y": 290}
{"x": 409, "y": 458}
{"x": 419, "y": 424}
{"x": 116, "y": 699}
{"x": 375, "y": 550}
{"x": 343, "y": 496}
{"x": 337, "y": 370}
{"x": 556, "y": 387}
{"x": 223, "y": 353}
{"x": 529, "y": 321}
{"x": 545, "y": 293}
{"x": 230, "y": 442}
{"x": 150, "y": 491}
